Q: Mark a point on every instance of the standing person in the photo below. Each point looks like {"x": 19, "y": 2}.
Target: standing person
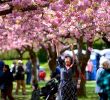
{"x": 89, "y": 69}
{"x": 1, "y": 72}
{"x": 20, "y": 77}
{"x": 103, "y": 79}
{"x": 28, "y": 71}
{"x": 7, "y": 80}
{"x": 14, "y": 69}
{"x": 68, "y": 84}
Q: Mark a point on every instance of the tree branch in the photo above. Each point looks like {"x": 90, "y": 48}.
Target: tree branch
{"x": 22, "y": 9}
{"x": 105, "y": 39}
{"x": 64, "y": 49}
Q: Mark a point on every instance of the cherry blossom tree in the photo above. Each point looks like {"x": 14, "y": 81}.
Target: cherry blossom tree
{"x": 81, "y": 19}
{"x": 29, "y": 23}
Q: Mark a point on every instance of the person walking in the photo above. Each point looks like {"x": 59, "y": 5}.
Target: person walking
{"x": 103, "y": 79}
{"x": 7, "y": 81}
{"x": 14, "y": 69}
{"x": 68, "y": 83}
{"x": 28, "y": 71}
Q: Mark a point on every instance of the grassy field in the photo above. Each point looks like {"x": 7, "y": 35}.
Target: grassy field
{"x": 90, "y": 86}
{"x": 90, "y": 91}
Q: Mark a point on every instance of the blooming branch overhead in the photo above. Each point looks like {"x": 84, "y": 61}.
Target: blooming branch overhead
{"x": 30, "y": 22}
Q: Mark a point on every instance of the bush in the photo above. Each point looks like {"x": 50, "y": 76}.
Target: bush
{"x": 99, "y": 45}
{"x": 26, "y": 55}
{"x": 12, "y": 54}
{"x": 9, "y": 55}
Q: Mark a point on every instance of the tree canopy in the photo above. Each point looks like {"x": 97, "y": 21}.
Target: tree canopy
{"x": 29, "y": 22}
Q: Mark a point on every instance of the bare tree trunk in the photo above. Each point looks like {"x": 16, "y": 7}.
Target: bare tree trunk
{"x": 82, "y": 59}
{"x": 52, "y": 56}
{"x": 83, "y": 63}
{"x": 34, "y": 69}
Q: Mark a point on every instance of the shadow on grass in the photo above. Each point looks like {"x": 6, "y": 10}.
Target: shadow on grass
{"x": 90, "y": 88}
{"x": 28, "y": 91}
{"x": 90, "y": 92}
{"x": 20, "y": 96}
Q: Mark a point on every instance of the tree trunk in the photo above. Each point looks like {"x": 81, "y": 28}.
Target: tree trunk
{"x": 106, "y": 40}
{"x": 20, "y": 55}
{"x": 20, "y": 52}
{"x": 82, "y": 90}
{"x": 82, "y": 62}
{"x": 52, "y": 64}
{"x": 52, "y": 54}
{"x": 34, "y": 69}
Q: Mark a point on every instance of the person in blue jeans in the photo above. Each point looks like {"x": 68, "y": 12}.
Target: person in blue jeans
{"x": 28, "y": 71}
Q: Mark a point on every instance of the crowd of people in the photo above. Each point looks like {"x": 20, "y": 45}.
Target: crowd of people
{"x": 14, "y": 73}
{"x": 68, "y": 84}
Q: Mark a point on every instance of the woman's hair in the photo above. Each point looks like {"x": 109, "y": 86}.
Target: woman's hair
{"x": 71, "y": 58}
{"x": 103, "y": 60}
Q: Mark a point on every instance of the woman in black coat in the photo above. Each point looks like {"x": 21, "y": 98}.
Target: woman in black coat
{"x": 7, "y": 81}
{"x": 68, "y": 80}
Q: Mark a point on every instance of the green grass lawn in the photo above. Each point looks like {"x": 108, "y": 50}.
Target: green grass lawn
{"x": 90, "y": 88}
{"x": 90, "y": 91}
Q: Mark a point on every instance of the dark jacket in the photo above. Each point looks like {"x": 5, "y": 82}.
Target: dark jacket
{"x": 6, "y": 80}
{"x": 20, "y": 73}
{"x": 1, "y": 68}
